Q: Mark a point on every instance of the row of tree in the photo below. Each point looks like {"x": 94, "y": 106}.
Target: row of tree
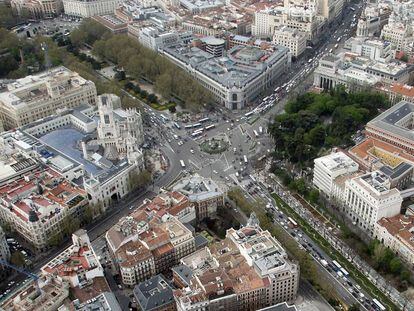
{"x": 140, "y": 62}
{"x": 308, "y": 268}
{"x": 387, "y": 262}
{"x": 315, "y": 121}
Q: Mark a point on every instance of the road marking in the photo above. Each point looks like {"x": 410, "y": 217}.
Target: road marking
{"x": 197, "y": 167}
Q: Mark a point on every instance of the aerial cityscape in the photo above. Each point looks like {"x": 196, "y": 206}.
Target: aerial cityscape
{"x": 206, "y": 155}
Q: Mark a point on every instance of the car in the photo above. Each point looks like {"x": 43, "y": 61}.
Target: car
{"x": 119, "y": 286}
{"x": 192, "y": 151}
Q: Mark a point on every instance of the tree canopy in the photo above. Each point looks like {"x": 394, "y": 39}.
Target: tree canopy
{"x": 315, "y": 121}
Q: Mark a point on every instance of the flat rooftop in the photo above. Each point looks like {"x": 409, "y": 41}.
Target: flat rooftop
{"x": 240, "y": 66}
{"x": 398, "y": 121}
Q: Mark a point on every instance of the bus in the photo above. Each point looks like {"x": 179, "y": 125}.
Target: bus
{"x": 177, "y": 125}
{"x": 188, "y": 127}
{"x": 245, "y": 159}
{"x": 292, "y": 222}
{"x": 210, "y": 127}
{"x": 182, "y": 163}
{"x": 197, "y": 125}
{"x": 344, "y": 272}
{"x": 204, "y": 120}
{"x": 164, "y": 117}
{"x": 378, "y": 304}
{"x": 277, "y": 89}
{"x": 248, "y": 114}
{"x": 196, "y": 133}
{"x": 255, "y": 133}
{"x": 252, "y": 178}
{"x": 337, "y": 265}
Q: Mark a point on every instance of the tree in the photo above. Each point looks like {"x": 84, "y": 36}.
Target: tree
{"x": 139, "y": 180}
{"x": 314, "y": 196}
{"x": 354, "y": 307}
{"x": 55, "y": 240}
{"x": 17, "y": 259}
{"x": 120, "y": 75}
{"x": 395, "y": 265}
{"x": 69, "y": 225}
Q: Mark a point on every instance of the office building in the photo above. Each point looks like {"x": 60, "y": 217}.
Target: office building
{"x": 329, "y": 167}
{"x": 154, "y": 39}
{"x": 397, "y": 234}
{"x": 37, "y": 9}
{"x": 248, "y": 270}
{"x": 96, "y": 146}
{"x": 374, "y": 49}
{"x": 236, "y": 79}
{"x": 368, "y": 198}
{"x": 290, "y": 38}
{"x": 203, "y": 193}
{"x": 42, "y": 95}
{"x": 82, "y": 8}
{"x": 394, "y": 126}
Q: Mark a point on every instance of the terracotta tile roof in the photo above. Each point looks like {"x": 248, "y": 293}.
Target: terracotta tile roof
{"x": 131, "y": 253}
{"x": 401, "y": 227}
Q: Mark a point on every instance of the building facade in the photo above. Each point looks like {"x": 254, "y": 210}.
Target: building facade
{"x": 368, "y": 198}
{"x": 237, "y": 79}
{"x": 290, "y": 38}
{"x": 233, "y": 275}
{"x": 34, "y": 97}
{"x": 83, "y": 8}
{"x": 328, "y": 168}
{"x": 397, "y": 233}
{"x": 144, "y": 244}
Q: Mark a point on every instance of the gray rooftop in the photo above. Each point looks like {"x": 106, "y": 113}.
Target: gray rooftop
{"x": 389, "y": 121}
{"x": 396, "y": 172}
{"x": 185, "y": 273}
{"x": 238, "y": 68}
{"x": 154, "y": 293}
{"x": 283, "y": 306}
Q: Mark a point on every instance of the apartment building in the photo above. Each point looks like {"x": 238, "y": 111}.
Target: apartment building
{"x": 397, "y": 233}
{"x": 248, "y": 270}
{"x": 394, "y": 126}
{"x": 397, "y": 33}
{"x": 77, "y": 265}
{"x": 155, "y": 294}
{"x": 373, "y": 49}
{"x": 329, "y": 167}
{"x": 4, "y": 253}
{"x": 203, "y": 193}
{"x": 368, "y": 198}
{"x": 397, "y": 92}
{"x": 46, "y": 294}
{"x": 173, "y": 203}
{"x": 234, "y": 80}
{"x": 83, "y": 8}
{"x": 290, "y": 38}
{"x": 38, "y": 96}
{"x": 143, "y": 245}
{"x": 37, "y": 205}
